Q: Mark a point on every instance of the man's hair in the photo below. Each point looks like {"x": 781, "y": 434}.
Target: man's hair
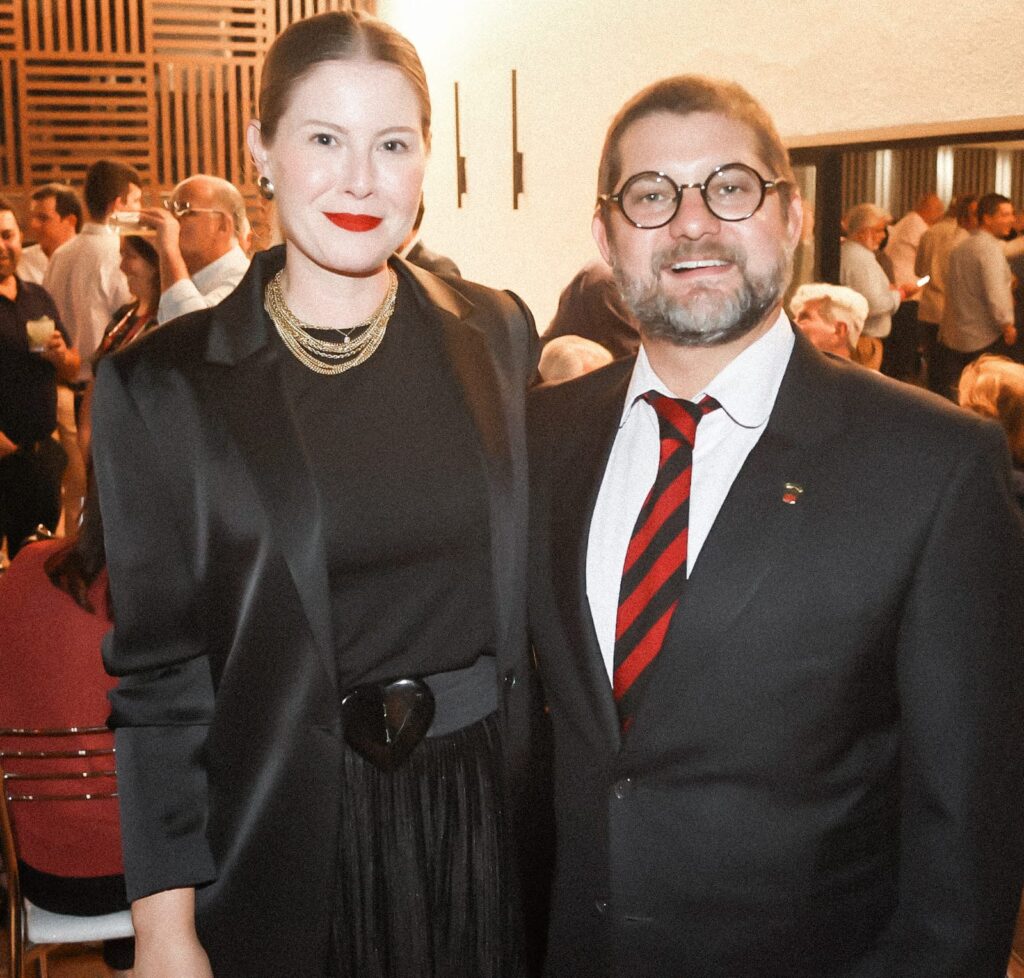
{"x": 5, "y": 205}
{"x": 861, "y": 216}
{"x": 105, "y": 181}
{"x": 994, "y": 388}
{"x": 835, "y": 303}
{"x": 65, "y": 200}
{"x": 684, "y": 95}
{"x": 226, "y": 195}
{"x": 990, "y": 203}
{"x": 962, "y": 207}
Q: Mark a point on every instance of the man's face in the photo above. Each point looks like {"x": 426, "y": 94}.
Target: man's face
{"x": 826, "y": 336}
{"x": 873, "y": 236}
{"x": 1001, "y": 222}
{"x": 10, "y": 245}
{"x": 47, "y": 226}
{"x": 205, "y": 226}
{"x": 699, "y": 280}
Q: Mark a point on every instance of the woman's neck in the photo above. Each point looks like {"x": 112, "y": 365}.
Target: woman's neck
{"x": 326, "y": 298}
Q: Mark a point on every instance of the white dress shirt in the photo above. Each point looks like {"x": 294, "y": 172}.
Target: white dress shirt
{"x": 904, "y": 238}
{"x": 206, "y": 288}
{"x": 32, "y": 264}
{"x": 746, "y": 390}
{"x": 860, "y": 271}
{"x": 85, "y": 279}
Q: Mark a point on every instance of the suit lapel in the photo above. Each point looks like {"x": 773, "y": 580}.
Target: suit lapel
{"x": 576, "y": 480}
{"x": 488, "y": 398}
{"x": 259, "y": 416}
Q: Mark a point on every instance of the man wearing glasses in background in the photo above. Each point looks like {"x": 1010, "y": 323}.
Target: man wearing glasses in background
{"x": 778, "y": 605}
{"x": 199, "y": 232}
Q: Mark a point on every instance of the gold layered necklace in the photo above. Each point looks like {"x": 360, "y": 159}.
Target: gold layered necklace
{"x": 322, "y": 356}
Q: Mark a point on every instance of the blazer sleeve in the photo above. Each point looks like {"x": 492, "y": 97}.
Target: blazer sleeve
{"x": 960, "y": 681}
{"x": 164, "y": 701}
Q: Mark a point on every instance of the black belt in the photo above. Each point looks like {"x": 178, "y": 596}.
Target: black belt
{"x": 385, "y": 721}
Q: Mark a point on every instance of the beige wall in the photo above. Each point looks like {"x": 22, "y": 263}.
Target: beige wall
{"x": 828, "y": 70}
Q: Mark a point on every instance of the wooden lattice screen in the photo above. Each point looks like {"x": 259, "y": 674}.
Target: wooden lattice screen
{"x": 166, "y": 85}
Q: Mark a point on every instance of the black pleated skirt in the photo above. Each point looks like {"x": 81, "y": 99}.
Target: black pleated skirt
{"x": 424, "y": 884}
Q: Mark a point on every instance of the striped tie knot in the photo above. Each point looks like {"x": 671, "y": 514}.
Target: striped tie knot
{"x": 654, "y": 572}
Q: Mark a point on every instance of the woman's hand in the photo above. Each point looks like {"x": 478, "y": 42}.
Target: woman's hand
{"x": 166, "y": 943}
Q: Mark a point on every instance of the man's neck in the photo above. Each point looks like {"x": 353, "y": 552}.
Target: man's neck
{"x": 207, "y": 260}
{"x": 49, "y": 251}
{"x": 9, "y": 287}
{"x": 687, "y": 370}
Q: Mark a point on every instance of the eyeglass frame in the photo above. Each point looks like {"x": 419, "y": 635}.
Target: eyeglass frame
{"x": 179, "y": 208}
{"x": 766, "y": 185}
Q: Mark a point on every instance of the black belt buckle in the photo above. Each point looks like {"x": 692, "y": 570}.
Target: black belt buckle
{"x": 385, "y": 721}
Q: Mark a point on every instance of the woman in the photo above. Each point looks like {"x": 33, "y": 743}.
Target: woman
{"x": 994, "y": 388}
{"x": 141, "y": 266}
{"x": 53, "y": 615}
{"x": 315, "y": 509}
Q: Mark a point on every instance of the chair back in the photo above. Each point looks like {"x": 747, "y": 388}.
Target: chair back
{"x": 63, "y": 765}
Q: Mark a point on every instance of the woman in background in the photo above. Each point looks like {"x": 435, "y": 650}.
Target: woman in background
{"x": 315, "y": 509}
{"x": 993, "y": 387}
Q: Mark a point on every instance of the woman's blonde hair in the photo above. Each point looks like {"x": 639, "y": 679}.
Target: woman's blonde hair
{"x": 994, "y": 388}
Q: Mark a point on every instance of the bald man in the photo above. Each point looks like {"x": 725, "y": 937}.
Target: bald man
{"x": 198, "y": 238}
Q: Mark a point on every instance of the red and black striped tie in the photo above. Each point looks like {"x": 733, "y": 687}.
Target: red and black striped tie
{"x": 654, "y": 574}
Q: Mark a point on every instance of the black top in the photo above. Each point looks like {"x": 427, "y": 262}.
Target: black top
{"x": 400, "y": 475}
{"x": 28, "y": 383}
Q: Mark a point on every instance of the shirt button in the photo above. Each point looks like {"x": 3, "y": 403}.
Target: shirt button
{"x": 601, "y": 906}
{"x": 510, "y": 678}
{"x": 621, "y": 789}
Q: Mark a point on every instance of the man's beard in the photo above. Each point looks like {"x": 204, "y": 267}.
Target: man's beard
{"x": 708, "y": 316}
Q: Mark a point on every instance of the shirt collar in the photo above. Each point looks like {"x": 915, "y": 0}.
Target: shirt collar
{"x": 209, "y": 275}
{"x": 91, "y": 227}
{"x": 746, "y": 387}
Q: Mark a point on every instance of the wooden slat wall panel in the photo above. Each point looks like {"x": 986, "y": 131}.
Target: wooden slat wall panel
{"x": 166, "y": 85}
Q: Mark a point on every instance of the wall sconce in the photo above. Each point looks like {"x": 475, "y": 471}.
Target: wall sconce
{"x": 460, "y": 160}
{"x": 517, "y": 157}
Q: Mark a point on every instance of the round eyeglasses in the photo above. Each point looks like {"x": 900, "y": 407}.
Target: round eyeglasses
{"x": 732, "y": 192}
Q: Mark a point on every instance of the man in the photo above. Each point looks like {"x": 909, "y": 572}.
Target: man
{"x": 84, "y": 276}
{"x": 54, "y": 217}
{"x": 901, "y": 249}
{"x": 31, "y": 462}
{"x": 796, "y": 748}
{"x": 978, "y": 316}
{"x": 859, "y": 269}
{"x": 830, "y": 316}
{"x": 932, "y": 259}
{"x": 590, "y": 306}
{"x": 197, "y": 238}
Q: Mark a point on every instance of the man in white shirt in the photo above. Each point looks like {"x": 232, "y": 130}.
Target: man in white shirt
{"x": 54, "y": 218}
{"x": 776, "y": 664}
{"x": 904, "y": 361}
{"x": 198, "y": 235}
{"x": 84, "y": 276}
{"x": 830, "y": 316}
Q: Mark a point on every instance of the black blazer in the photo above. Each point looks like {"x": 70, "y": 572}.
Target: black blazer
{"x": 227, "y": 711}
{"x": 824, "y": 774}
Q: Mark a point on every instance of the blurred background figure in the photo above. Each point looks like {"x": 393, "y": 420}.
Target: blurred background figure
{"x": 994, "y": 388}
{"x": 54, "y": 218}
{"x": 832, "y": 317}
{"x": 566, "y": 357}
{"x": 591, "y": 306}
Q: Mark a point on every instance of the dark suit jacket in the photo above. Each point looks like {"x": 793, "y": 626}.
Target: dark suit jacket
{"x": 824, "y": 775}
{"x": 432, "y": 261}
{"x": 227, "y": 711}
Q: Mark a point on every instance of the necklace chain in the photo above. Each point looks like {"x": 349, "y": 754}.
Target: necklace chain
{"x": 324, "y": 356}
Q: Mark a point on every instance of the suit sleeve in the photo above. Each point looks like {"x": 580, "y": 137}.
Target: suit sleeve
{"x": 163, "y": 704}
{"x": 960, "y": 680}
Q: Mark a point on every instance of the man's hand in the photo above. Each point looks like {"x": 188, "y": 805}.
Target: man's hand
{"x": 1009, "y": 334}
{"x": 168, "y": 230}
{"x": 65, "y": 360}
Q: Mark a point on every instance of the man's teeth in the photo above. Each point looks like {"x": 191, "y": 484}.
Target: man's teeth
{"x": 685, "y": 266}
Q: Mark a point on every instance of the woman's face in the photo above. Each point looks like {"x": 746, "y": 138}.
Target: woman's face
{"x": 142, "y": 277}
{"x": 347, "y": 164}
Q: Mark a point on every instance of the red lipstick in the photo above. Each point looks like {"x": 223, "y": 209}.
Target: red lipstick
{"x": 354, "y": 222}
